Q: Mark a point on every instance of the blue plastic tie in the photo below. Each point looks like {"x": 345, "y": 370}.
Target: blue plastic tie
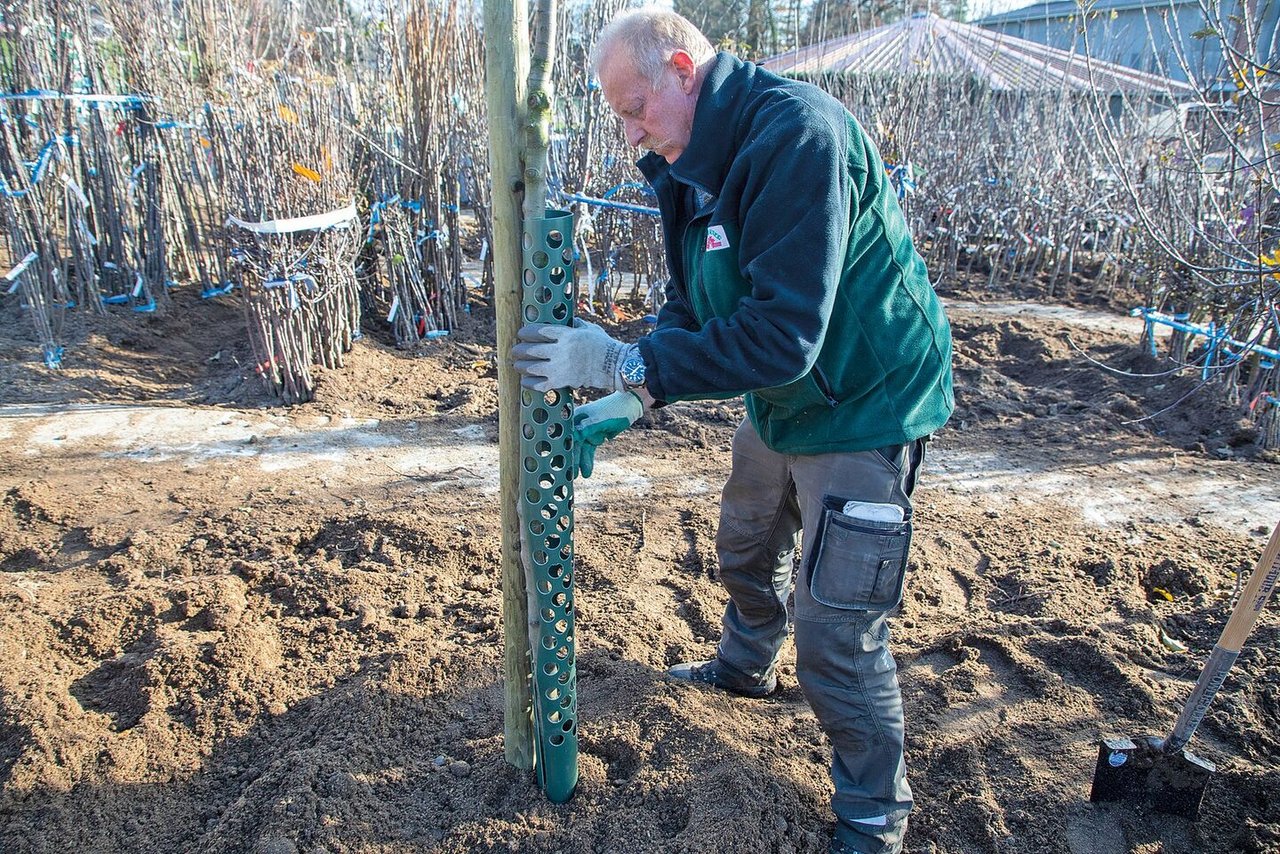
{"x": 210, "y": 293}
{"x": 53, "y": 357}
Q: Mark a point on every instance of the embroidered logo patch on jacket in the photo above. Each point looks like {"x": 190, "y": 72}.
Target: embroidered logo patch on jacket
{"x": 716, "y": 238}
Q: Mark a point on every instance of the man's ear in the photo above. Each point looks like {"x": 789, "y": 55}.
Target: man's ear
{"x": 686, "y": 70}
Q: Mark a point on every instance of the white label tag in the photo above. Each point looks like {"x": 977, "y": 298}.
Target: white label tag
{"x": 716, "y": 238}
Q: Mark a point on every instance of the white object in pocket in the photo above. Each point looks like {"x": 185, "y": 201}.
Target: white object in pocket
{"x": 873, "y": 511}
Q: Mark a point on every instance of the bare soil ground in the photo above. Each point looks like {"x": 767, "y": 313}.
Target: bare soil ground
{"x": 232, "y": 626}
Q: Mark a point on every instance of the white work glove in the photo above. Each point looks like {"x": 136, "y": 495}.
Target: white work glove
{"x": 583, "y": 355}
{"x": 599, "y": 421}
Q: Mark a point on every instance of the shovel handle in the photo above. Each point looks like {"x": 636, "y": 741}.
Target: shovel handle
{"x": 1254, "y": 596}
{"x": 1243, "y": 616}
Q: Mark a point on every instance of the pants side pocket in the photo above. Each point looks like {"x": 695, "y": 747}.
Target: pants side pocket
{"x": 858, "y": 564}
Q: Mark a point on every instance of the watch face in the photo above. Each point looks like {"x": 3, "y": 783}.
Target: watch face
{"x": 633, "y": 371}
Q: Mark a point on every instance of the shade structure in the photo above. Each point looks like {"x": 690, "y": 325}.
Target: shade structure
{"x": 925, "y": 43}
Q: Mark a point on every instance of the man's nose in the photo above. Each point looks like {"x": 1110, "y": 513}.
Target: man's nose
{"x": 635, "y": 133}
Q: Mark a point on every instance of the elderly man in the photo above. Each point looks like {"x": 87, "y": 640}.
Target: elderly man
{"x": 794, "y": 282}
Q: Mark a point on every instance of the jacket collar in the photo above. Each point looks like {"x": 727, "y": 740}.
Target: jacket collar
{"x": 714, "y": 139}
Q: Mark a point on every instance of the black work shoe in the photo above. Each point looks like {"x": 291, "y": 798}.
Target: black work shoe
{"x": 870, "y": 838}
{"x": 718, "y": 675}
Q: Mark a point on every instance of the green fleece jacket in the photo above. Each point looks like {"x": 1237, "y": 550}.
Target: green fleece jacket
{"x": 794, "y": 280}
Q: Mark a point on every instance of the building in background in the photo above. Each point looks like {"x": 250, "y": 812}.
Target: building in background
{"x": 1173, "y": 38}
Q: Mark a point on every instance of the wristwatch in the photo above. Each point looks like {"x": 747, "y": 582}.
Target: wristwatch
{"x": 632, "y": 369}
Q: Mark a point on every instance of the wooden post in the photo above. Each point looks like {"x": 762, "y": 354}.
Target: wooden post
{"x": 506, "y": 31}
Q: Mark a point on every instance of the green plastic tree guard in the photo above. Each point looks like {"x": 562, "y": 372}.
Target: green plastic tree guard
{"x": 546, "y": 515}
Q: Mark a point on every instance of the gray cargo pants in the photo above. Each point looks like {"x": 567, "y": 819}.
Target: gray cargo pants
{"x": 851, "y": 575}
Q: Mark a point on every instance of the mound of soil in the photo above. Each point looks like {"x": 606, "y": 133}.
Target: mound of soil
{"x": 233, "y": 626}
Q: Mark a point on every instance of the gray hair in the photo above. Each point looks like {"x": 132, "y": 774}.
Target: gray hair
{"x": 651, "y": 35}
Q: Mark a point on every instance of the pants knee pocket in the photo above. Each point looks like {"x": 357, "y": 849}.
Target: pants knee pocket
{"x": 858, "y": 564}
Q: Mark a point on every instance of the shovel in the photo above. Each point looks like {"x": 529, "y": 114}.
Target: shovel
{"x": 1162, "y": 770}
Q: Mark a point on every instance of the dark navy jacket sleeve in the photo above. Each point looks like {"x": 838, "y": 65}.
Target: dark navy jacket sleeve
{"x": 785, "y": 186}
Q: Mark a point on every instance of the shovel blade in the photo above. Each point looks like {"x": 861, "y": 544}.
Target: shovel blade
{"x": 1117, "y": 774}
{"x": 1172, "y": 783}
{"x": 1177, "y": 783}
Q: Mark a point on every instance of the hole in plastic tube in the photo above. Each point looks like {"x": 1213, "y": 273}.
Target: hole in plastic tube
{"x": 533, "y": 496}
{"x": 555, "y": 239}
{"x": 553, "y": 694}
{"x": 544, "y": 586}
{"x": 567, "y": 726}
{"x": 557, "y": 740}
{"x": 540, "y": 259}
{"x": 554, "y": 717}
{"x": 531, "y": 278}
{"x": 560, "y": 312}
{"x": 530, "y": 313}
{"x": 550, "y": 668}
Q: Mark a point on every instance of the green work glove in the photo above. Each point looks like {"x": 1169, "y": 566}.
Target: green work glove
{"x": 599, "y": 421}
{"x": 583, "y": 355}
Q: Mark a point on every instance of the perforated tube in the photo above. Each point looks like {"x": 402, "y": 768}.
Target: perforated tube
{"x": 546, "y": 515}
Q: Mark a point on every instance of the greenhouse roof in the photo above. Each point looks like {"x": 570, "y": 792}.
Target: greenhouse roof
{"x": 927, "y": 44}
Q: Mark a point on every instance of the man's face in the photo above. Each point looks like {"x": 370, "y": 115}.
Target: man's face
{"x": 661, "y": 119}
